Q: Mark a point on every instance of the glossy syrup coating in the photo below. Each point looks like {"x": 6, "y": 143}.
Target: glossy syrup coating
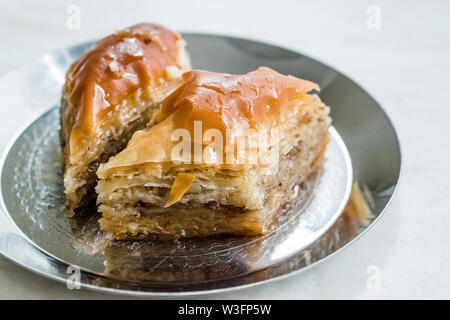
{"x": 230, "y": 103}
{"x": 116, "y": 67}
{"x": 222, "y": 101}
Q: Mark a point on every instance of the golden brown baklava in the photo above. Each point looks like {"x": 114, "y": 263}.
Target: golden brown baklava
{"x": 110, "y": 92}
{"x": 223, "y": 155}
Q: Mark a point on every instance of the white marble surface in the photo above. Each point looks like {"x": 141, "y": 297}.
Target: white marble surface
{"x": 405, "y": 65}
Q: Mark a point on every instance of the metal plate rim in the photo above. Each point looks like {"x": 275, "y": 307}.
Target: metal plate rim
{"x": 209, "y": 291}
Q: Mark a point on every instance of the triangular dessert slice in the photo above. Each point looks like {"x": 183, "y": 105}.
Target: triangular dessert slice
{"x": 224, "y": 154}
{"x": 111, "y": 91}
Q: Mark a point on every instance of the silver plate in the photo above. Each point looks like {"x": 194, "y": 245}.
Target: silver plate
{"x": 35, "y": 234}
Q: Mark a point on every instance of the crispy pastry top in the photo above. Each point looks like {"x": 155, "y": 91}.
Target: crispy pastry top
{"x": 259, "y": 99}
{"x": 223, "y": 101}
{"x": 116, "y": 67}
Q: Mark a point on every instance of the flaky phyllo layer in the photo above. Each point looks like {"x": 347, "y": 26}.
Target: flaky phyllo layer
{"x": 273, "y": 135}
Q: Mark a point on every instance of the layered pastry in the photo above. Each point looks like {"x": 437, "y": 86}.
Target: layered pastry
{"x": 224, "y": 155}
{"x": 110, "y": 92}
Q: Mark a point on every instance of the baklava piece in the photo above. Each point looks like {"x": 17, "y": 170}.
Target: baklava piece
{"x": 110, "y": 92}
{"x": 224, "y": 154}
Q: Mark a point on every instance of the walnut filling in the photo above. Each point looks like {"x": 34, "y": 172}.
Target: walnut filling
{"x": 85, "y": 193}
{"x": 194, "y": 219}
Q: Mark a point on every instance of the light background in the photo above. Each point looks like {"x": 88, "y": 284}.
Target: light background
{"x": 405, "y": 65}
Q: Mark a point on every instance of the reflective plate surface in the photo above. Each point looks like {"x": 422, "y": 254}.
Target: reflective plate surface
{"x": 35, "y": 233}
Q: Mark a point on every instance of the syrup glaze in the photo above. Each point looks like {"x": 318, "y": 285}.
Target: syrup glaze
{"x": 220, "y": 101}
{"x": 114, "y": 68}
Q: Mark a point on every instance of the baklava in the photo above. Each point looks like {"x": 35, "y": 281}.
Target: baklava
{"x": 110, "y": 92}
{"x": 223, "y": 155}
